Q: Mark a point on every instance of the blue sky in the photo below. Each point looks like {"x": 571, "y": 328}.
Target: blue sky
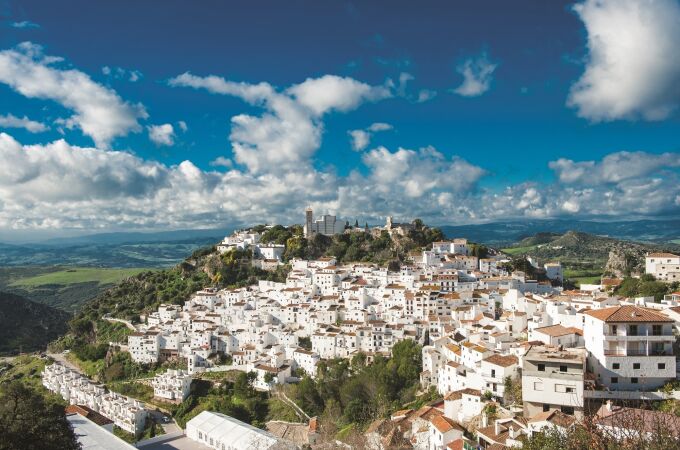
{"x": 514, "y": 109}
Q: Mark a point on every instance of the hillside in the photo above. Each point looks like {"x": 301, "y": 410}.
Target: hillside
{"x": 28, "y": 326}
{"x": 509, "y": 232}
{"x": 206, "y": 267}
{"x": 586, "y": 256}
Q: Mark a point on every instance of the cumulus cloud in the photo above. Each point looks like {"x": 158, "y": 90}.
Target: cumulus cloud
{"x": 614, "y": 168}
{"x": 182, "y": 126}
{"x": 288, "y": 132}
{"x": 477, "y": 75}
{"x": 32, "y": 126}
{"x": 633, "y": 66}
{"x": 67, "y": 186}
{"x": 99, "y": 112}
{"x": 361, "y": 138}
{"x": 162, "y": 134}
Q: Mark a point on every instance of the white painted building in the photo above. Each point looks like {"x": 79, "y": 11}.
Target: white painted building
{"x": 630, "y": 348}
{"x": 172, "y": 385}
{"x": 664, "y": 266}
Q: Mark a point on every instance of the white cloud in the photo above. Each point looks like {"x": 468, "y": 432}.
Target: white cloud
{"x": 614, "y": 168}
{"x": 122, "y": 74}
{"x": 221, "y": 161}
{"x": 32, "y": 126}
{"x": 633, "y": 64}
{"x": 361, "y": 138}
{"x": 425, "y": 95}
{"x": 25, "y": 24}
{"x": 477, "y": 75}
{"x": 162, "y": 134}
{"x": 182, "y": 126}
{"x": 288, "y": 133}
{"x": 99, "y": 112}
{"x": 59, "y": 185}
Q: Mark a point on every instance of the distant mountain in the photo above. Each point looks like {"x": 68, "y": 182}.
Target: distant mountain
{"x": 154, "y": 254}
{"x": 138, "y": 237}
{"x": 506, "y": 233}
{"x": 28, "y": 326}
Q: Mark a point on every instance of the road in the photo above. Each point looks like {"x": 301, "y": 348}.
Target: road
{"x": 123, "y": 321}
{"x": 61, "y": 358}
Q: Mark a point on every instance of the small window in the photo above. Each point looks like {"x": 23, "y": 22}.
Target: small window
{"x": 661, "y": 366}
{"x": 541, "y": 367}
{"x": 615, "y": 380}
{"x": 569, "y": 390}
{"x": 636, "y": 366}
{"x": 563, "y": 368}
{"x": 546, "y": 407}
{"x": 616, "y": 366}
{"x": 634, "y": 380}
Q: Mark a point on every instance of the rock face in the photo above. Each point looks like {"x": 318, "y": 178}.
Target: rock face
{"x": 621, "y": 263}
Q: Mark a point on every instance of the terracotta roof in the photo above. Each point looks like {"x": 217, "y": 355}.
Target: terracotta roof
{"x": 502, "y": 360}
{"x": 90, "y": 414}
{"x": 455, "y": 445}
{"x": 662, "y": 255}
{"x": 627, "y": 313}
{"x": 555, "y": 330}
{"x": 443, "y": 424}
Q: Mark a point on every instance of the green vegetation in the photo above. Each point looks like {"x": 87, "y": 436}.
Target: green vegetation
{"x": 57, "y": 286}
{"x": 30, "y": 421}
{"x": 645, "y": 286}
{"x": 25, "y": 368}
{"x": 518, "y": 250}
{"x": 28, "y": 326}
{"x": 583, "y": 276}
{"x": 234, "y": 398}
{"x": 78, "y": 275}
{"x": 355, "y": 393}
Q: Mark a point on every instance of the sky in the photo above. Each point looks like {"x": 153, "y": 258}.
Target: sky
{"x": 177, "y": 114}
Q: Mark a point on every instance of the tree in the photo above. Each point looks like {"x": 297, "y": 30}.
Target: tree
{"x": 28, "y": 421}
{"x": 268, "y": 377}
{"x": 512, "y": 392}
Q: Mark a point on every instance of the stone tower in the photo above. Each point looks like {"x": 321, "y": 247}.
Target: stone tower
{"x": 309, "y": 218}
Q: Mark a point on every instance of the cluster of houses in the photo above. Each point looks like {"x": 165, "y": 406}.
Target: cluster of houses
{"x": 127, "y": 413}
{"x": 483, "y": 331}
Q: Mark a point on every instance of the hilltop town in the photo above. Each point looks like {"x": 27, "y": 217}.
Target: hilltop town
{"x": 501, "y": 356}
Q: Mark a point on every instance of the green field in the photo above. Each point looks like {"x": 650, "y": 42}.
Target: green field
{"x": 518, "y": 250}
{"x": 74, "y": 275}
{"x": 583, "y": 276}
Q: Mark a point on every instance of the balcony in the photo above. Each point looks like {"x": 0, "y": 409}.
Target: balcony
{"x": 637, "y": 353}
{"x": 639, "y": 337}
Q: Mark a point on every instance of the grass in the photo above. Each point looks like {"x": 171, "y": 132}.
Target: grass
{"x": 518, "y": 250}
{"x": 584, "y": 276}
{"x": 74, "y": 275}
{"x": 91, "y": 368}
{"x": 26, "y": 368}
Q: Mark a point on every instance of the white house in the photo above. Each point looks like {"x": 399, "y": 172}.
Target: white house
{"x": 664, "y": 266}
{"x": 172, "y": 385}
{"x": 630, "y": 348}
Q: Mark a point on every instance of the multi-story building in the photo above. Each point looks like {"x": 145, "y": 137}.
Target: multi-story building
{"x": 664, "y": 266}
{"x": 630, "y": 347}
{"x": 327, "y": 225}
{"x": 173, "y": 385}
{"x": 144, "y": 347}
{"x": 553, "y": 379}
{"x": 128, "y": 414}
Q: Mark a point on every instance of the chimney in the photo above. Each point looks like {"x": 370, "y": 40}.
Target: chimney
{"x": 497, "y": 427}
{"x": 485, "y": 420}
{"x": 608, "y": 405}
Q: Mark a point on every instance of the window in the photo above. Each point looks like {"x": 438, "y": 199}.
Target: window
{"x": 200, "y": 435}
{"x": 570, "y": 390}
{"x": 656, "y": 330}
{"x": 615, "y": 380}
{"x": 546, "y": 407}
{"x": 661, "y": 366}
{"x": 563, "y": 368}
{"x": 493, "y": 373}
{"x": 567, "y": 409}
{"x": 541, "y": 367}
{"x": 614, "y": 328}
{"x": 633, "y": 330}
{"x": 636, "y": 366}
{"x": 634, "y": 380}
{"x": 616, "y": 366}
{"x": 538, "y": 386}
